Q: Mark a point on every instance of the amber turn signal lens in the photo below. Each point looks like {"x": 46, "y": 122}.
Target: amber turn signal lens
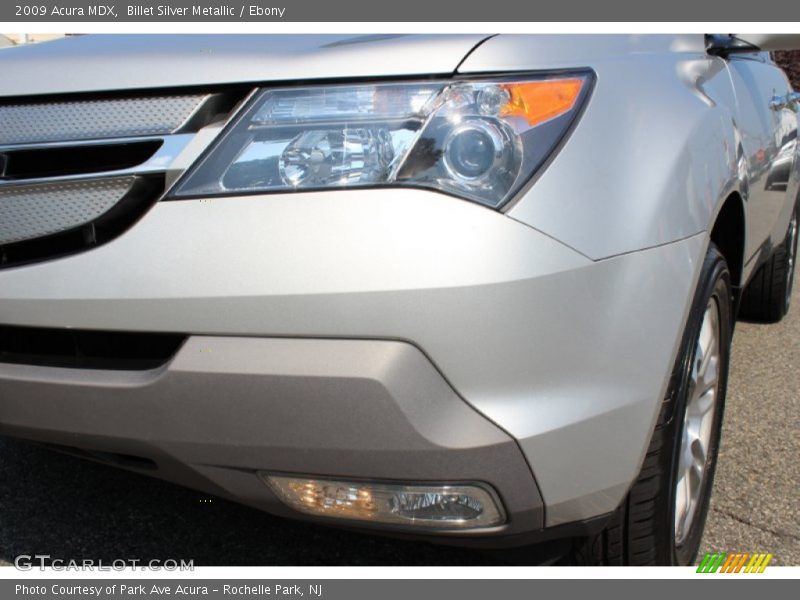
{"x": 540, "y": 101}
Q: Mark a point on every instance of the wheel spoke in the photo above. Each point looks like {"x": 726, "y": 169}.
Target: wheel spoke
{"x": 681, "y": 505}
{"x": 698, "y": 459}
{"x": 704, "y": 403}
{"x": 791, "y": 241}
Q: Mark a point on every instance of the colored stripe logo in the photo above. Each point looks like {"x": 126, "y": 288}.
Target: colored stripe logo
{"x": 735, "y": 562}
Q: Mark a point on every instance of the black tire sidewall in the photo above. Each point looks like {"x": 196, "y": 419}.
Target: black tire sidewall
{"x": 714, "y": 282}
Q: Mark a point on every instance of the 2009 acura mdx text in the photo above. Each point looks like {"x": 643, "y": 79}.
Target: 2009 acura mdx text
{"x": 474, "y": 289}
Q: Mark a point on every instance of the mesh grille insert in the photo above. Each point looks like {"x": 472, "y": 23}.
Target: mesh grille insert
{"x": 95, "y": 119}
{"x": 78, "y": 171}
{"x": 31, "y": 211}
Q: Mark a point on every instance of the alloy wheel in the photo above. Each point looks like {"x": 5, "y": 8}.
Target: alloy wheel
{"x": 698, "y": 423}
{"x": 792, "y": 253}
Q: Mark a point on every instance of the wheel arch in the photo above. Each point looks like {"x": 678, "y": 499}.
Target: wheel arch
{"x": 728, "y": 233}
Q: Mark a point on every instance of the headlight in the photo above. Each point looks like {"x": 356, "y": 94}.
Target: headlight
{"x": 480, "y": 140}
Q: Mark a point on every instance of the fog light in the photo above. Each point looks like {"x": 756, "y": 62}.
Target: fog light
{"x": 433, "y": 506}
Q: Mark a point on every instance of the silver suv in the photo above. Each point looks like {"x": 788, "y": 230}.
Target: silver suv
{"x": 475, "y": 289}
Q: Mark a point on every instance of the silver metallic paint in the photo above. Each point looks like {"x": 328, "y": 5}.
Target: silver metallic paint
{"x": 558, "y": 321}
{"x": 657, "y": 150}
{"x": 519, "y": 339}
{"x": 81, "y": 64}
{"x": 225, "y": 408}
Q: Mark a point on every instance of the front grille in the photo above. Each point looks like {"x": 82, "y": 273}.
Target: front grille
{"x": 77, "y": 173}
{"x": 95, "y": 119}
{"x": 31, "y": 211}
{"x": 143, "y": 193}
{"x": 35, "y": 163}
{"x": 86, "y": 349}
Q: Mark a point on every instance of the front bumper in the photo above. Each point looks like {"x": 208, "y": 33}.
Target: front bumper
{"x": 225, "y": 408}
{"x": 564, "y": 358}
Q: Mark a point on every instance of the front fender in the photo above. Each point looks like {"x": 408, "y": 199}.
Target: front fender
{"x": 651, "y": 160}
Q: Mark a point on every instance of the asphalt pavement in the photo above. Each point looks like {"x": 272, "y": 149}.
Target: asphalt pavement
{"x": 72, "y": 509}
{"x": 755, "y": 506}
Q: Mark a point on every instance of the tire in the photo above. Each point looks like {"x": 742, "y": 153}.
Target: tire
{"x": 769, "y": 293}
{"x": 643, "y": 530}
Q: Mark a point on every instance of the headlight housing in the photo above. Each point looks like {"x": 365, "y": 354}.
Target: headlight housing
{"x": 476, "y": 139}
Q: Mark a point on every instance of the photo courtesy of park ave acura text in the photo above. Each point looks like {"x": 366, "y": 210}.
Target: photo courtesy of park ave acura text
{"x": 399, "y": 299}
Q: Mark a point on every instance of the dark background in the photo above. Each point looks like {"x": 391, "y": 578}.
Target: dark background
{"x": 790, "y": 61}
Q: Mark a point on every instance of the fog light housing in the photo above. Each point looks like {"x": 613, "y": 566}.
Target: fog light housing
{"x": 461, "y": 506}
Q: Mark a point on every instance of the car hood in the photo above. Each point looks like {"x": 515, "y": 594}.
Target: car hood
{"x": 96, "y": 63}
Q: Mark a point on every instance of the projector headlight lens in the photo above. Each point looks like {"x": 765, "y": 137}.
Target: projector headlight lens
{"x": 466, "y": 506}
{"x": 473, "y": 149}
{"x": 480, "y": 140}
